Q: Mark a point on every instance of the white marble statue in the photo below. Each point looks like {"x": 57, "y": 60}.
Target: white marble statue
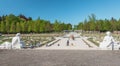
{"x": 16, "y": 42}
{"x": 5, "y": 45}
{"x": 107, "y": 41}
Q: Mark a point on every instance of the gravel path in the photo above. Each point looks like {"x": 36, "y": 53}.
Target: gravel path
{"x": 59, "y": 58}
{"x": 78, "y": 43}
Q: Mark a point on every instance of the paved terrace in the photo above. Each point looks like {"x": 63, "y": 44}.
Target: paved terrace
{"x": 33, "y": 57}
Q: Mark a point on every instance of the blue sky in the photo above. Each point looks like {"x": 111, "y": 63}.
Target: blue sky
{"x": 68, "y": 11}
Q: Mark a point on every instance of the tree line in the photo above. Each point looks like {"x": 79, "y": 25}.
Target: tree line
{"x": 14, "y": 24}
{"x": 102, "y": 25}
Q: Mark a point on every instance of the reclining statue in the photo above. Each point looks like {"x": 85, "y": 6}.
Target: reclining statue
{"x": 5, "y": 45}
{"x": 107, "y": 42}
{"x": 16, "y": 42}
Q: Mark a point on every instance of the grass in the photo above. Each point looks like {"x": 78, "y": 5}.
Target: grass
{"x": 35, "y": 38}
{"x": 4, "y": 39}
{"x": 87, "y": 43}
{"x": 91, "y": 39}
{"x": 100, "y": 36}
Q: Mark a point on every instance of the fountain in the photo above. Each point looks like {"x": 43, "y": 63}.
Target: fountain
{"x": 72, "y": 35}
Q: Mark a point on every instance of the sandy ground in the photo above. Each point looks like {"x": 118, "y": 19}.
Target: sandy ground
{"x": 33, "y": 57}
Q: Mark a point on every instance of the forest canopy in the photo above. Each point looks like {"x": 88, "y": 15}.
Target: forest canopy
{"x": 93, "y": 24}
{"x": 13, "y": 24}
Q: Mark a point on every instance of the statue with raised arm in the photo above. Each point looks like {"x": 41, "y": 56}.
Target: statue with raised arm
{"x": 16, "y": 42}
{"x": 107, "y": 41}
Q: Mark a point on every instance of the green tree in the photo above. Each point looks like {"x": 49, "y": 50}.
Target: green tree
{"x": 56, "y": 26}
{"x": 13, "y": 28}
{"x": 18, "y": 27}
{"x": 92, "y": 20}
{"x": 22, "y": 24}
{"x": 3, "y": 27}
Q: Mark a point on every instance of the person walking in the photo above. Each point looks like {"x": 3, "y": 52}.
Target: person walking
{"x": 67, "y": 42}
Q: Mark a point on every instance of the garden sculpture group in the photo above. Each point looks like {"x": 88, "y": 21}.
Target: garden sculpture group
{"x": 107, "y": 43}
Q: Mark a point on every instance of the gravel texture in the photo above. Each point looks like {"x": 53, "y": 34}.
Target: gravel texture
{"x": 32, "y": 57}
